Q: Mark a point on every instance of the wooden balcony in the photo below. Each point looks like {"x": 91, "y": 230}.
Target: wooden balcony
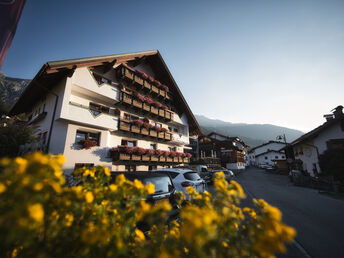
{"x": 118, "y": 155}
{"x": 128, "y": 127}
{"x": 142, "y": 83}
{"x": 128, "y": 99}
{"x": 124, "y": 126}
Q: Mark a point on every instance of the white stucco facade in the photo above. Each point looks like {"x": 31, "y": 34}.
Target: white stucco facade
{"x": 265, "y": 153}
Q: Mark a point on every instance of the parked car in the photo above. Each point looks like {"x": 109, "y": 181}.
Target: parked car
{"x": 203, "y": 172}
{"x": 183, "y": 177}
{"x": 164, "y": 188}
{"x": 229, "y": 175}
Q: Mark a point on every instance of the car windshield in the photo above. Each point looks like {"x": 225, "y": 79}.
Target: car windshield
{"x": 191, "y": 176}
{"x": 162, "y": 184}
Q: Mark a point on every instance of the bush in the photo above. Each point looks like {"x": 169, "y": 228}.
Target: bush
{"x": 40, "y": 217}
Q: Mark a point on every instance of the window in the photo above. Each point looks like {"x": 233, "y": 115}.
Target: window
{"x": 81, "y": 165}
{"x": 266, "y": 157}
{"x": 81, "y": 135}
{"x": 129, "y": 168}
{"x": 276, "y": 157}
{"x": 98, "y": 78}
{"x": 152, "y": 146}
{"x": 128, "y": 143}
{"x": 172, "y": 149}
{"x": 96, "y": 109}
{"x": 283, "y": 156}
{"x": 170, "y": 128}
{"x": 129, "y": 117}
{"x": 175, "y": 130}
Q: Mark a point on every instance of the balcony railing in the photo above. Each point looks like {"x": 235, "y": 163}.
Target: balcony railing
{"x": 127, "y": 126}
{"x": 142, "y": 83}
{"x": 134, "y": 158}
{"x": 129, "y": 99}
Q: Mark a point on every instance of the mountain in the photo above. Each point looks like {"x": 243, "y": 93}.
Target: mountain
{"x": 252, "y": 134}
{"x": 10, "y": 90}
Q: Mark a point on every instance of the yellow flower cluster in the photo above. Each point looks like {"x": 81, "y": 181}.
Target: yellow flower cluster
{"x": 102, "y": 217}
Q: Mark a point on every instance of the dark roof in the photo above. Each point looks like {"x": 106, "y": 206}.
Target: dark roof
{"x": 318, "y": 130}
{"x": 53, "y": 72}
{"x": 230, "y": 138}
{"x": 264, "y": 145}
{"x": 224, "y": 144}
{"x": 270, "y": 151}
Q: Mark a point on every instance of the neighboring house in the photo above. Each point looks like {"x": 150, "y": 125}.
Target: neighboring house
{"x": 230, "y": 150}
{"x": 124, "y": 111}
{"x": 270, "y": 157}
{"x": 264, "y": 154}
{"x": 329, "y": 135}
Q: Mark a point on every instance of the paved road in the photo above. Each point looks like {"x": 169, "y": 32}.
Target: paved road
{"x": 318, "y": 219}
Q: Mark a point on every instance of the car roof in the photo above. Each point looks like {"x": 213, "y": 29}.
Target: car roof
{"x": 138, "y": 174}
{"x": 176, "y": 170}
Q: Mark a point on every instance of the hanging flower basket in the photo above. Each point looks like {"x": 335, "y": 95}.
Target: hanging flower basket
{"x": 88, "y": 144}
{"x": 138, "y": 123}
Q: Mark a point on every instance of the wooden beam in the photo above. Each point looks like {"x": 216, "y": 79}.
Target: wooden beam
{"x": 108, "y": 66}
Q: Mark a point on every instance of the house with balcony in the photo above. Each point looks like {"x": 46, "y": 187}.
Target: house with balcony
{"x": 124, "y": 111}
{"x": 328, "y": 136}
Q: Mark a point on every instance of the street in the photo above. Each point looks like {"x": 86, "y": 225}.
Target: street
{"x": 317, "y": 218}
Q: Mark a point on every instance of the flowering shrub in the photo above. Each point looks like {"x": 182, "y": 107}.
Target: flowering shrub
{"x": 40, "y": 217}
{"x": 87, "y": 144}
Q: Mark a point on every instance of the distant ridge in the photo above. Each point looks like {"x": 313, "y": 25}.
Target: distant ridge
{"x": 252, "y": 134}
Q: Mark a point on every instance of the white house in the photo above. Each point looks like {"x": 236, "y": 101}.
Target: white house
{"x": 124, "y": 111}
{"x": 329, "y": 135}
{"x": 266, "y": 153}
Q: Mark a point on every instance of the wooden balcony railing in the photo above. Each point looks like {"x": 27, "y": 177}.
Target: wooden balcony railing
{"x": 142, "y": 83}
{"x": 118, "y": 156}
{"x": 128, "y": 99}
{"x": 126, "y": 126}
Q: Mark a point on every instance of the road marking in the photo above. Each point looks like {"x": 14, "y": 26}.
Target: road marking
{"x": 297, "y": 244}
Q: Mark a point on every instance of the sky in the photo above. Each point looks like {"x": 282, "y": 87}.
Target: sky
{"x": 245, "y": 61}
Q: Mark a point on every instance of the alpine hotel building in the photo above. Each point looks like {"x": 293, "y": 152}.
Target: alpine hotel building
{"x": 123, "y": 111}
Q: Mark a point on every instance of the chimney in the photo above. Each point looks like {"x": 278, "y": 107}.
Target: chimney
{"x": 338, "y": 112}
{"x": 328, "y": 117}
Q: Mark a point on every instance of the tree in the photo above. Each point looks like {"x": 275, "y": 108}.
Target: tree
{"x": 13, "y": 133}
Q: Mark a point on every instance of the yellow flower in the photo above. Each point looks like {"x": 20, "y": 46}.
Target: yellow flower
{"x": 139, "y": 235}
{"x": 113, "y": 187}
{"x": 36, "y": 211}
{"x": 138, "y": 184}
{"x": 107, "y": 172}
{"x": 69, "y": 218}
{"x": 21, "y": 165}
{"x": 150, "y": 189}
{"x": 89, "y": 197}
{"x": 3, "y": 188}
{"x": 38, "y": 186}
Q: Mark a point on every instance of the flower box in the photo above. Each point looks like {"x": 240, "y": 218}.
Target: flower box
{"x": 145, "y": 158}
{"x": 155, "y": 89}
{"x": 144, "y": 131}
{"x": 168, "y": 115}
{"x": 126, "y": 98}
{"x": 169, "y": 159}
{"x": 146, "y": 107}
{"x": 124, "y": 126}
{"x": 161, "y": 135}
{"x": 186, "y": 160}
{"x": 137, "y": 103}
{"x": 153, "y": 133}
{"x": 88, "y": 144}
{"x": 175, "y": 159}
{"x": 146, "y": 85}
{"x": 168, "y": 136}
{"x": 154, "y": 159}
{"x": 154, "y": 110}
{"x": 135, "y": 157}
{"x": 138, "y": 79}
{"x": 162, "y": 159}
{"x": 161, "y": 112}
{"x": 135, "y": 129}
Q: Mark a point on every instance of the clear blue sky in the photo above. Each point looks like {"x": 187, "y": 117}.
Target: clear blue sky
{"x": 252, "y": 61}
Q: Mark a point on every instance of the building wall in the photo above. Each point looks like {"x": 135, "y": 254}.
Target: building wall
{"x": 270, "y": 146}
{"x": 268, "y": 158}
{"x": 309, "y": 155}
